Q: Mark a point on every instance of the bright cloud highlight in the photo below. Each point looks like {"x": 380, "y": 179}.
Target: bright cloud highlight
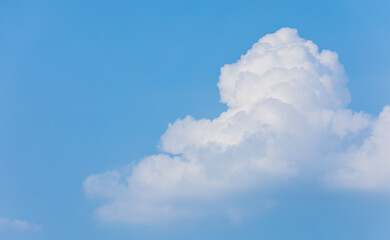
{"x": 287, "y": 118}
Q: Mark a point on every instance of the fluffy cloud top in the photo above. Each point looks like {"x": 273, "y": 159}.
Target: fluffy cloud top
{"x": 286, "y": 118}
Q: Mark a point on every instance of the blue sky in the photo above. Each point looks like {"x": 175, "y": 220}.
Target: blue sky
{"x": 90, "y": 87}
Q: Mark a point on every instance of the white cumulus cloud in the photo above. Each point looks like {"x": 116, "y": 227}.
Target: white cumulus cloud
{"x": 287, "y": 118}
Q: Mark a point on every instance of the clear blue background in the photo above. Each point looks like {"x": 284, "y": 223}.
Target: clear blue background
{"x": 89, "y": 86}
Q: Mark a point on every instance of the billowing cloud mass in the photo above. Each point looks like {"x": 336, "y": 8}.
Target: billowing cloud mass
{"x": 287, "y": 119}
{"x": 17, "y": 225}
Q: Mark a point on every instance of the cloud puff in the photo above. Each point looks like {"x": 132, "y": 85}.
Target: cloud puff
{"x": 367, "y": 166}
{"x": 18, "y": 225}
{"x": 287, "y": 118}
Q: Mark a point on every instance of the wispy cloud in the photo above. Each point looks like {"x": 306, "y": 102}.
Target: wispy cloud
{"x": 18, "y": 225}
{"x": 287, "y": 118}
